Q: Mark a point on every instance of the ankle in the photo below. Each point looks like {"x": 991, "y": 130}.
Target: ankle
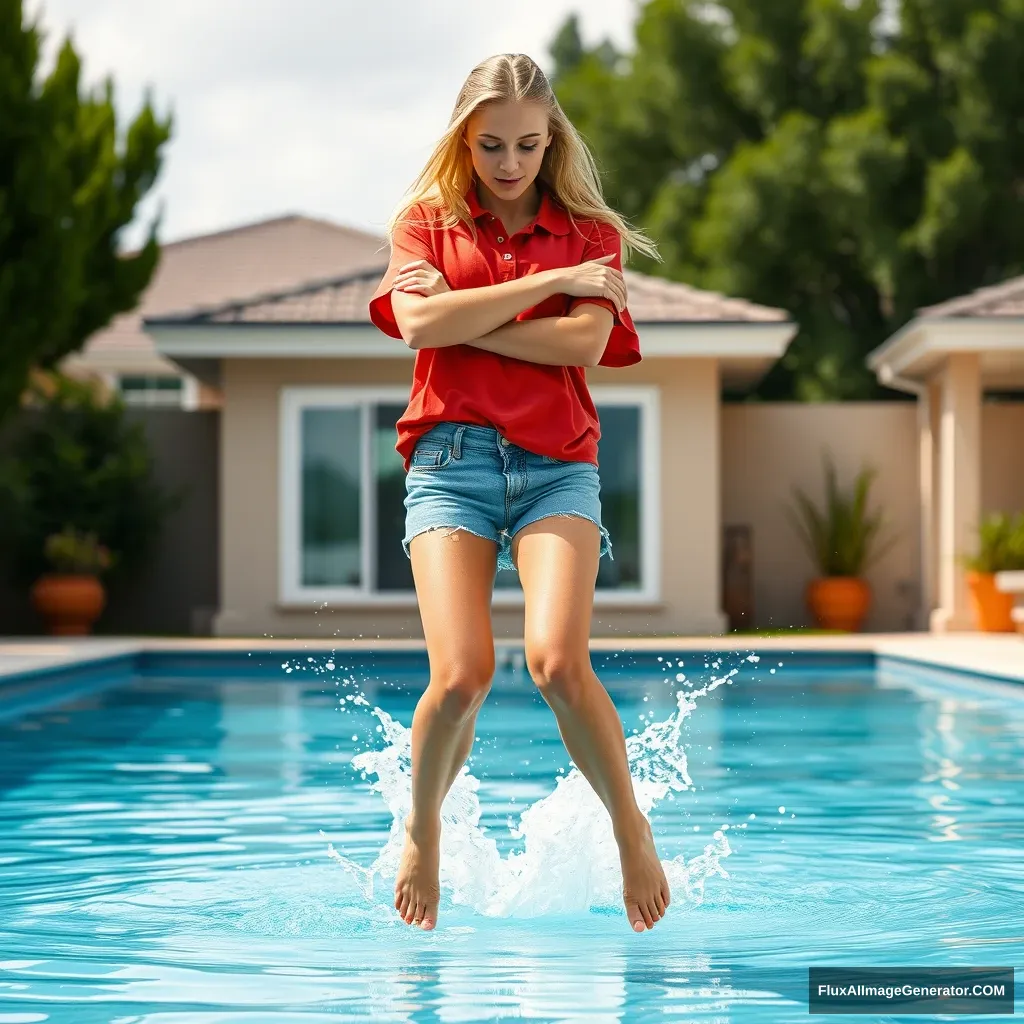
{"x": 423, "y": 827}
{"x": 631, "y": 828}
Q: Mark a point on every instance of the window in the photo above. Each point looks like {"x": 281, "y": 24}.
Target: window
{"x": 343, "y": 491}
{"x": 156, "y": 390}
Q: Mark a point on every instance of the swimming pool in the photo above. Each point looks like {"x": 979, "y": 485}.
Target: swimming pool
{"x": 198, "y": 844}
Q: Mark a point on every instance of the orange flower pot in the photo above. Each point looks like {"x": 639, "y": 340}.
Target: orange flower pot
{"x": 993, "y": 610}
{"x": 839, "y": 602}
{"x": 69, "y": 604}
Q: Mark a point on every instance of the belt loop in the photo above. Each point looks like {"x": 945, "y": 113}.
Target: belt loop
{"x": 457, "y": 442}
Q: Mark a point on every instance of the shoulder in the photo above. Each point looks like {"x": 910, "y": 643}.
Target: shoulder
{"x": 420, "y": 215}
{"x": 597, "y": 232}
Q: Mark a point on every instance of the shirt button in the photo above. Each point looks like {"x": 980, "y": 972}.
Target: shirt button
{"x": 507, "y": 256}
{"x": 501, "y": 238}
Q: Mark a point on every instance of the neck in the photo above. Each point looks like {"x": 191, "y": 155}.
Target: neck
{"x": 515, "y": 211}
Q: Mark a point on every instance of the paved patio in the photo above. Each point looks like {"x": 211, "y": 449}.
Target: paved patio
{"x": 996, "y": 655}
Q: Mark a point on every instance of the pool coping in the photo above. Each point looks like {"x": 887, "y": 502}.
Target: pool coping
{"x": 28, "y": 661}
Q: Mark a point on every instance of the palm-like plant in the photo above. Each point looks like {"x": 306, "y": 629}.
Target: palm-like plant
{"x": 1000, "y": 544}
{"x": 843, "y": 538}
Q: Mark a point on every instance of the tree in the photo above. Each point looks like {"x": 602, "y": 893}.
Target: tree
{"x": 68, "y": 187}
{"x": 846, "y": 160}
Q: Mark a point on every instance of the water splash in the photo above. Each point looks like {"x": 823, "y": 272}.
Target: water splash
{"x": 569, "y": 860}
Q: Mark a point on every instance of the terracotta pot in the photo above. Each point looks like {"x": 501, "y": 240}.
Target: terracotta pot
{"x": 839, "y": 602}
{"x": 69, "y": 604}
{"x": 993, "y": 610}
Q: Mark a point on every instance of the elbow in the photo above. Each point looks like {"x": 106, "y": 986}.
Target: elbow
{"x": 594, "y": 350}
{"x": 413, "y": 333}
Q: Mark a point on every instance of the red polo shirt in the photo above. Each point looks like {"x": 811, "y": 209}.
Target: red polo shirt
{"x": 544, "y": 409}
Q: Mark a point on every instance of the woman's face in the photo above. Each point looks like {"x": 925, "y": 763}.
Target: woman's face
{"x": 508, "y": 141}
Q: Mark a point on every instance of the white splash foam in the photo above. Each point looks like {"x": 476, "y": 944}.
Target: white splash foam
{"x": 569, "y": 860}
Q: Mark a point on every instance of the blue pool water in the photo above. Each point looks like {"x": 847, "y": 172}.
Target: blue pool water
{"x": 216, "y": 848}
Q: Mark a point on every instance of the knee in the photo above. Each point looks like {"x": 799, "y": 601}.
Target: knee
{"x": 462, "y": 688}
{"x": 560, "y": 676}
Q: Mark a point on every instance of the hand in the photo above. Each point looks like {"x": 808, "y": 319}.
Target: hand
{"x": 594, "y": 278}
{"x": 421, "y": 278}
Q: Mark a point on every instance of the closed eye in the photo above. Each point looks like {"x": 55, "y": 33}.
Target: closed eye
{"x": 494, "y": 149}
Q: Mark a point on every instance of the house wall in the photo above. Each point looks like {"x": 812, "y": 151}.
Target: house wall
{"x": 768, "y": 449}
{"x": 250, "y": 513}
{"x": 1002, "y": 461}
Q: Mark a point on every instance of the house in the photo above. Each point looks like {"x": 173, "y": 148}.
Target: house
{"x": 964, "y": 361}
{"x": 311, "y": 488}
{"x": 213, "y": 268}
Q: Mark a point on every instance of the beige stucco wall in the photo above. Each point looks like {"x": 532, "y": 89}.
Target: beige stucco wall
{"x": 690, "y": 495}
{"x": 1002, "y": 463}
{"x": 742, "y": 473}
{"x": 769, "y": 449}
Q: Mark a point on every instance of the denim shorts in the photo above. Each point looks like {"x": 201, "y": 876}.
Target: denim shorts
{"x": 470, "y": 477}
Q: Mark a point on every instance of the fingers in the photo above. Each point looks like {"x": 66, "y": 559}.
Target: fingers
{"x": 615, "y": 289}
{"x": 416, "y": 265}
{"x": 604, "y": 259}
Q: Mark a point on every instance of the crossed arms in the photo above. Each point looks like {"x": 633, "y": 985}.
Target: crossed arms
{"x": 430, "y": 315}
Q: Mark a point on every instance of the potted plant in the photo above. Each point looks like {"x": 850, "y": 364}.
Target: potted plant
{"x": 842, "y": 540}
{"x": 71, "y": 596}
{"x": 1000, "y": 549}
{"x": 79, "y": 478}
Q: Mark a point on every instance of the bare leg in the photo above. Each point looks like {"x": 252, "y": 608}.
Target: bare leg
{"x": 454, "y": 574}
{"x": 557, "y": 560}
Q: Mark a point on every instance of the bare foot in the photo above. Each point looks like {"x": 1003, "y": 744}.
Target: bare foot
{"x": 644, "y": 885}
{"x": 417, "y": 890}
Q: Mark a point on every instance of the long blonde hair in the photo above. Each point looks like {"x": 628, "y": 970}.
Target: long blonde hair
{"x": 568, "y": 168}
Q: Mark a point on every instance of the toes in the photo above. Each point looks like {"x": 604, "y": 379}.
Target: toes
{"x": 659, "y": 904}
{"x": 654, "y": 912}
{"x": 417, "y": 913}
{"x": 636, "y": 917}
{"x": 430, "y": 912}
{"x": 665, "y": 894}
{"x": 402, "y": 903}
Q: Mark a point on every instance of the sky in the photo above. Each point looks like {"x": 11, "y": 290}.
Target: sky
{"x": 327, "y": 108}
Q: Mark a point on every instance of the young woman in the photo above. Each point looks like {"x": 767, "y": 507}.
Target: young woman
{"x": 505, "y": 278}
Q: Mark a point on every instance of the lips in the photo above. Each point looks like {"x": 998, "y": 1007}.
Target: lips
{"x": 508, "y": 181}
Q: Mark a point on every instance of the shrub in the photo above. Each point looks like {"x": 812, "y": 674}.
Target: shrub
{"x": 1000, "y": 544}
{"x": 843, "y": 538}
{"x": 78, "y": 464}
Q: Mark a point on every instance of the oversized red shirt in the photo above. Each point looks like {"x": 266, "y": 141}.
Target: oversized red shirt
{"x": 544, "y": 409}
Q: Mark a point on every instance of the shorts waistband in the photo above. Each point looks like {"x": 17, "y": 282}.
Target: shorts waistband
{"x": 464, "y": 435}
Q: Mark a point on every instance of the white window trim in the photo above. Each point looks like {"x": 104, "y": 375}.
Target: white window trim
{"x": 292, "y": 594}
{"x": 187, "y": 397}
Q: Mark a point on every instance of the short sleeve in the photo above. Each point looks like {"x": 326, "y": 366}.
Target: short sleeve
{"x": 411, "y": 240}
{"x": 623, "y": 348}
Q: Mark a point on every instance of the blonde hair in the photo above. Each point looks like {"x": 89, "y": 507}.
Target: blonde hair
{"x": 568, "y": 168}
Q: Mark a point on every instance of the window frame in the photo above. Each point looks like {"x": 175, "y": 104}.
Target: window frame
{"x": 292, "y": 593}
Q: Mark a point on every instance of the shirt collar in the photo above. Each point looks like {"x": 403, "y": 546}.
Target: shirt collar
{"x": 551, "y": 216}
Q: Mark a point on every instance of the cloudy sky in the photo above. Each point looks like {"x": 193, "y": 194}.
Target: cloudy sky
{"x": 322, "y": 107}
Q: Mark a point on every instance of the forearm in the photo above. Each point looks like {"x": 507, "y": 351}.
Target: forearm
{"x": 458, "y": 317}
{"x": 550, "y": 341}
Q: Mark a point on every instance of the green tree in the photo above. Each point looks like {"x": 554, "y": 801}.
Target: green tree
{"x": 68, "y": 187}
{"x": 846, "y": 160}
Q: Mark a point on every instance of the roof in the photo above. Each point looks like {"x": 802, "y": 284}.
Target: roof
{"x": 1001, "y": 300}
{"x": 228, "y": 266}
{"x": 988, "y": 322}
{"x": 344, "y": 299}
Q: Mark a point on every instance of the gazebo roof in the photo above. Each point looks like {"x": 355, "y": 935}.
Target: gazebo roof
{"x": 988, "y": 322}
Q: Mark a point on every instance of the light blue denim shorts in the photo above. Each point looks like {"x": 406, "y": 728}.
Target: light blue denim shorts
{"x": 464, "y": 476}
